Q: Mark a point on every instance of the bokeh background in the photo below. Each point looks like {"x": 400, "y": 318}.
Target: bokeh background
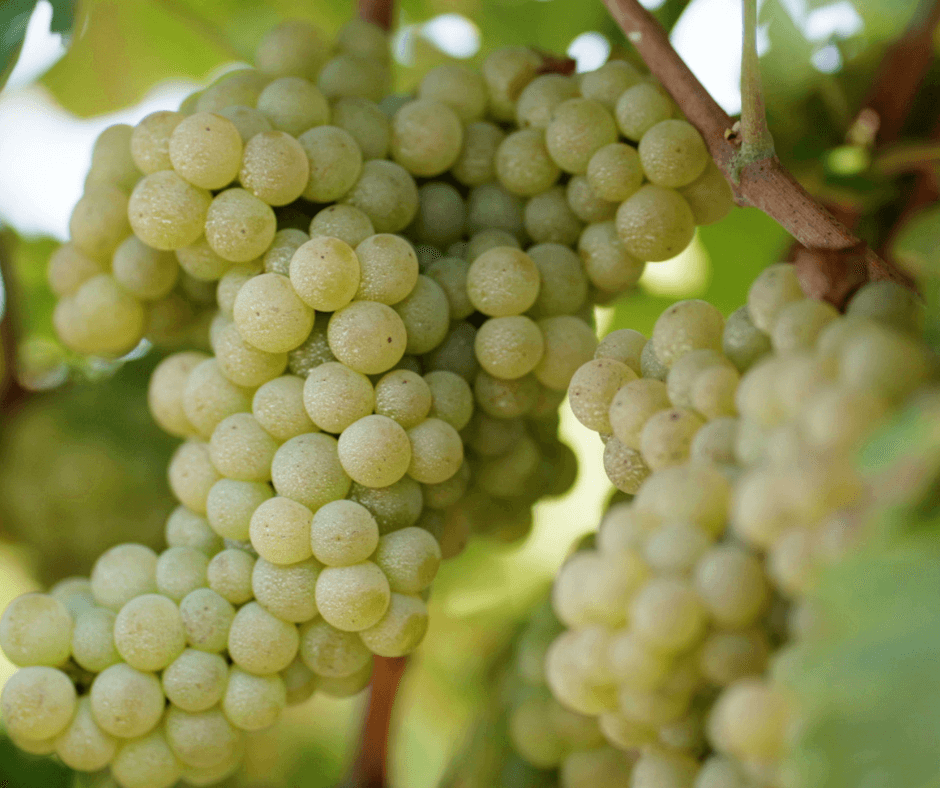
{"x": 82, "y": 467}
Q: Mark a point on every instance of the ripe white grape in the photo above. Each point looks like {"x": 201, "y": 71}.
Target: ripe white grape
{"x": 274, "y": 168}
{"x": 206, "y": 614}
{"x": 69, "y": 268}
{"x": 351, "y": 75}
{"x": 673, "y": 153}
{"x": 293, "y": 105}
{"x": 150, "y": 141}
{"x": 280, "y": 530}
{"x": 286, "y": 591}
{"x": 146, "y": 273}
{"x": 181, "y": 570}
{"x": 633, "y": 405}
{"x": 334, "y": 161}
{"x": 502, "y": 282}
{"x": 375, "y": 451}
{"x": 37, "y": 703}
{"x": 684, "y": 327}
{"x": 202, "y": 739}
{"x": 251, "y": 702}
{"x": 731, "y": 584}
{"x": 663, "y": 769}
{"x": 165, "y": 392}
{"x": 343, "y": 533}
{"x": 365, "y": 121}
{"x": 426, "y": 137}
{"x": 608, "y": 82}
{"x": 400, "y": 630}
{"x": 270, "y": 315}
{"x": 451, "y": 398}
{"x": 248, "y": 120}
{"x": 230, "y": 504}
{"x": 345, "y": 222}
{"x": 239, "y": 227}
{"x": 409, "y": 558}
{"x": 307, "y": 469}
{"x": 667, "y": 615}
{"x": 749, "y": 720}
{"x": 36, "y": 629}
{"x": 523, "y": 164}
{"x": 352, "y": 598}
{"x": 404, "y": 396}
{"x": 607, "y": 263}
{"x": 328, "y": 651}
{"x": 75, "y": 593}
{"x": 102, "y": 318}
{"x": 541, "y": 96}
{"x": 166, "y": 212}
{"x": 626, "y": 467}
{"x": 260, "y": 643}
{"x": 476, "y": 164}
{"x": 335, "y": 396}
{"x": 240, "y": 449}
{"x": 549, "y": 218}
{"x": 386, "y": 193}
{"x": 125, "y": 702}
{"x": 206, "y": 150}
{"x": 773, "y": 289}
{"x": 367, "y": 336}
{"x": 146, "y": 762}
{"x": 742, "y": 341}
{"x": 278, "y": 406}
{"x": 299, "y": 681}
{"x": 229, "y": 576}
{"x": 389, "y": 269}
{"x": 509, "y": 347}
{"x": 578, "y": 129}
{"x": 441, "y": 217}
{"x": 569, "y": 343}
{"x": 595, "y": 588}
{"x": 436, "y": 451}
{"x": 292, "y": 48}
{"x": 195, "y": 681}
{"x": 507, "y": 71}
{"x": 586, "y": 203}
{"x": 122, "y": 573}
{"x": 83, "y": 746}
{"x": 231, "y": 282}
{"x": 149, "y": 633}
{"x": 655, "y": 223}
{"x": 593, "y": 388}
{"x": 239, "y": 87}
{"x": 491, "y": 207}
{"x": 709, "y": 196}
{"x": 615, "y": 172}
{"x": 93, "y": 640}
{"x": 393, "y": 507}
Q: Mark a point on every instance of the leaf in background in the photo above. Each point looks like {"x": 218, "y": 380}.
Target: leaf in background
{"x": 19, "y": 770}
{"x": 14, "y": 17}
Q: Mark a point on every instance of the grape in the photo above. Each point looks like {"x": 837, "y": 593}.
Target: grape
{"x": 280, "y": 529}
{"x": 742, "y": 341}
{"x": 568, "y": 344}
{"x": 476, "y": 164}
{"x": 426, "y": 137}
{"x": 509, "y": 347}
{"x": 667, "y": 615}
{"x": 450, "y": 273}
{"x": 684, "y": 371}
{"x": 348, "y": 75}
{"x": 749, "y": 720}
{"x": 726, "y": 657}
{"x": 436, "y": 451}
{"x": 278, "y": 406}
{"x": 609, "y": 82}
{"x": 799, "y": 323}
{"x": 106, "y": 319}
{"x": 230, "y": 505}
{"x": 240, "y": 449}
{"x": 625, "y": 467}
{"x": 709, "y": 196}
{"x": 144, "y": 272}
{"x": 243, "y": 364}
{"x": 206, "y": 150}
{"x": 239, "y": 87}
{"x": 166, "y": 212}
{"x": 684, "y": 327}
{"x": 578, "y": 128}
{"x": 506, "y": 476}
{"x": 229, "y": 575}
{"x": 672, "y": 153}
{"x": 36, "y": 629}
{"x": 363, "y": 39}
{"x": 713, "y": 392}
{"x": 664, "y": 770}
{"x": 366, "y": 123}
{"x": 451, "y": 399}
{"x": 201, "y": 739}
{"x": 655, "y": 223}
{"x": 293, "y": 105}
{"x": 334, "y": 161}
{"x": 344, "y": 222}
{"x": 400, "y": 630}
{"x": 624, "y": 345}
{"x": 260, "y": 643}
{"x": 239, "y": 227}
{"x": 231, "y": 282}
{"x": 125, "y": 702}
{"x": 491, "y": 207}
{"x": 715, "y": 441}
{"x": 721, "y": 772}
{"x": 641, "y": 107}
{"x": 352, "y": 598}
{"x": 181, "y": 570}
{"x": 274, "y": 168}
{"x": 367, "y": 336}
{"x": 505, "y": 399}
{"x": 207, "y": 615}
{"x": 409, "y": 558}
{"x": 343, "y": 533}
{"x": 614, "y": 172}
{"x": 307, "y": 469}
{"x": 99, "y": 221}
{"x": 592, "y": 588}
{"x": 200, "y": 262}
{"x": 148, "y": 632}
{"x": 441, "y": 215}
{"x": 83, "y": 746}
{"x": 837, "y": 419}
{"x": 459, "y": 87}
{"x": 776, "y": 287}
{"x": 93, "y": 641}
{"x": 248, "y": 120}
{"x": 335, "y": 396}
{"x": 592, "y": 389}
{"x": 299, "y": 681}
{"x": 393, "y": 507}
{"x": 666, "y": 437}
{"x": 187, "y": 529}
{"x": 252, "y": 702}
{"x": 69, "y": 268}
{"x": 286, "y": 591}
{"x": 122, "y": 573}
{"x": 888, "y": 303}
{"x": 314, "y": 351}
{"x": 507, "y": 71}
{"x": 549, "y": 218}
{"x": 389, "y": 269}
{"x": 502, "y": 282}
{"x": 146, "y": 762}
{"x": 604, "y": 767}
{"x": 577, "y": 671}
{"x": 607, "y": 263}
{"x": 111, "y": 159}
{"x": 449, "y": 492}
{"x": 455, "y": 354}
{"x": 375, "y": 451}
{"x": 523, "y": 164}
{"x": 541, "y": 96}
{"x": 884, "y": 361}
{"x": 586, "y": 203}
{"x": 330, "y": 652}
{"x": 270, "y": 315}
{"x": 292, "y": 48}
{"x": 195, "y": 681}
{"x": 731, "y": 584}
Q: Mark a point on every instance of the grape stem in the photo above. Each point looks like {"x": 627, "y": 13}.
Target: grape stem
{"x": 756, "y": 141}
{"x": 765, "y": 184}
{"x": 370, "y": 769}
{"x": 378, "y": 12}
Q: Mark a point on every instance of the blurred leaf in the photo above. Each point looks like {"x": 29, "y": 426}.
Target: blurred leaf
{"x": 20, "y": 770}
{"x": 35, "y": 301}
{"x": 14, "y": 17}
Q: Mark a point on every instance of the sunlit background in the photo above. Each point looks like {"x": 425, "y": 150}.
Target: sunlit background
{"x": 44, "y": 156}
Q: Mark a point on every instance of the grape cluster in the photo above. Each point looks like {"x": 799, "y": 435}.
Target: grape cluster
{"x": 679, "y": 620}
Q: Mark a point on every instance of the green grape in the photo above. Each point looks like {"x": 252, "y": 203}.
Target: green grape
{"x": 721, "y": 772}
{"x": 278, "y": 406}
{"x": 37, "y": 703}
{"x": 328, "y": 651}
{"x": 450, "y": 273}
{"x": 335, "y": 396}
{"x": 641, "y": 107}
{"x": 742, "y": 341}
{"x": 239, "y": 227}
{"x": 292, "y": 48}
{"x": 343, "y": 222}
{"x": 367, "y": 336}
{"x": 229, "y": 576}
{"x": 348, "y": 75}
{"x": 427, "y": 136}
{"x": 659, "y": 769}
{"x": 293, "y": 105}
{"x": 750, "y": 721}
{"x": 507, "y": 71}
{"x": 404, "y": 396}
{"x": 375, "y": 451}
{"x": 93, "y": 640}
{"x": 607, "y": 263}
{"x": 150, "y": 141}
{"x": 69, "y": 268}
{"x": 201, "y": 262}
{"x": 243, "y": 364}
{"x": 195, "y": 680}
{"x": 400, "y": 630}
{"x": 230, "y": 504}
{"x": 655, "y": 224}
{"x": 299, "y": 681}
{"x": 307, "y": 470}
{"x": 363, "y": 39}
{"x": 270, "y": 315}
{"x": 523, "y": 164}
{"x": 492, "y": 207}
{"x": 726, "y": 657}
{"x": 393, "y": 507}
{"x": 485, "y": 240}
{"x": 633, "y": 405}
{"x": 206, "y": 150}
{"x": 576, "y": 672}
{"x": 715, "y": 441}
{"x": 476, "y": 164}
{"x": 83, "y": 746}
{"x": 126, "y": 702}
{"x": 388, "y": 269}
{"x": 624, "y": 345}
{"x": 441, "y": 215}
{"x": 459, "y": 87}
{"x": 248, "y": 120}
{"x": 343, "y": 533}
{"x": 325, "y": 273}
{"x": 541, "y": 96}
{"x": 672, "y": 153}
{"x": 75, "y": 593}
{"x": 449, "y": 492}
{"x": 274, "y": 168}
{"x": 799, "y": 323}
{"x": 509, "y": 347}
{"x": 122, "y": 573}
{"x": 387, "y": 194}
{"x": 409, "y": 558}
{"x": 280, "y": 530}
{"x": 586, "y": 203}
{"x": 684, "y": 372}
{"x": 146, "y": 762}
{"x": 615, "y": 172}
{"x": 286, "y": 591}
{"x": 684, "y": 327}
{"x": 260, "y": 643}
{"x": 166, "y": 212}
{"x": 451, "y": 398}
{"x": 889, "y": 303}
{"x": 240, "y": 87}
{"x": 36, "y": 629}
{"x": 592, "y": 389}
{"x": 455, "y": 353}
{"x": 594, "y": 588}
{"x": 148, "y": 632}
{"x": 111, "y": 159}
{"x": 503, "y": 282}
{"x": 181, "y": 570}
{"x": 365, "y": 121}
{"x": 186, "y": 529}
{"x": 578, "y": 128}
{"x": 352, "y": 598}
{"x": 201, "y": 739}
{"x": 709, "y": 196}
{"x": 425, "y": 315}
{"x": 508, "y": 475}
{"x": 240, "y": 449}
{"x": 252, "y": 702}
{"x": 505, "y": 399}
{"x": 568, "y": 344}
{"x": 436, "y": 451}
{"x": 774, "y": 288}
{"x": 549, "y": 218}
{"x": 334, "y": 161}
{"x": 231, "y": 282}
{"x": 208, "y": 398}
{"x": 102, "y": 318}
{"x": 730, "y": 582}
{"x": 603, "y": 767}
{"x": 666, "y": 438}
{"x": 563, "y": 284}
{"x": 666, "y": 614}
{"x": 608, "y": 83}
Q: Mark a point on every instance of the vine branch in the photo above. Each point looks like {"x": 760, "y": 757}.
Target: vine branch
{"x": 378, "y": 12}
{"x": 765, "y": 184}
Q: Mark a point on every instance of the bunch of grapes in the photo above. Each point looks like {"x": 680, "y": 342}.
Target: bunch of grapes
{"x": 738, "y": 441}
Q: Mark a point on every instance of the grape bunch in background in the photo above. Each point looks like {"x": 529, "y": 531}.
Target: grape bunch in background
{"x": 396, "y": 291}
{"x": 737, "y": 442}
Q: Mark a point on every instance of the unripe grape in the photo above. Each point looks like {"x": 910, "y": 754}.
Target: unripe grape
{"x": 229, "y": 576}
{"x": 334, "y": 161}
{"x": 345, "y": 222}
{"x": 523, "y": 164}
{"x": 426, "y": 137}
{"x": 726, "y": 657}
{"x": 579, "y": 127}
{"x": 251, "y": 702}
{"x": 655, "y": 224}
{"x": 367, "y": 336}
{"x": 274, "y": 168}
{"x": 328, "y": 651}
{"x": 604, "y": 767}
{"x": 451, "y": 398}
{"x": 363, "y": 39}
{"x": 36, "y": 629}
{"x": 294, "y": 105}
{"x": 299, "y": 681}
{"x": 393, "y": 507}
{"x": 239, "y": 227}
{"x": 889, "y": 303}
{"x": 441, "y": 215}
{"x": 352, "y": 598}
{"x": 641, "y": 107}
{"x": 307, "y": 469}
{"x": 455, "y": 353}
{"x": 476, "y": 164}
{"x": 614, "y": 172}
{"x": 126, "y": 702}
{"x": 261, "y": 643}
{"x": 459, "y": 87}
{"x": 367, "y": 124}
{"x": 400, "y": 630}
{"x": 549, "y": 218}
{"x": 75, "y": 593}
{"x": 292, "y": 48}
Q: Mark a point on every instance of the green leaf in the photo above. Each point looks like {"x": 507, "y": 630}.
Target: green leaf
{"x": 14, "y": 18}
